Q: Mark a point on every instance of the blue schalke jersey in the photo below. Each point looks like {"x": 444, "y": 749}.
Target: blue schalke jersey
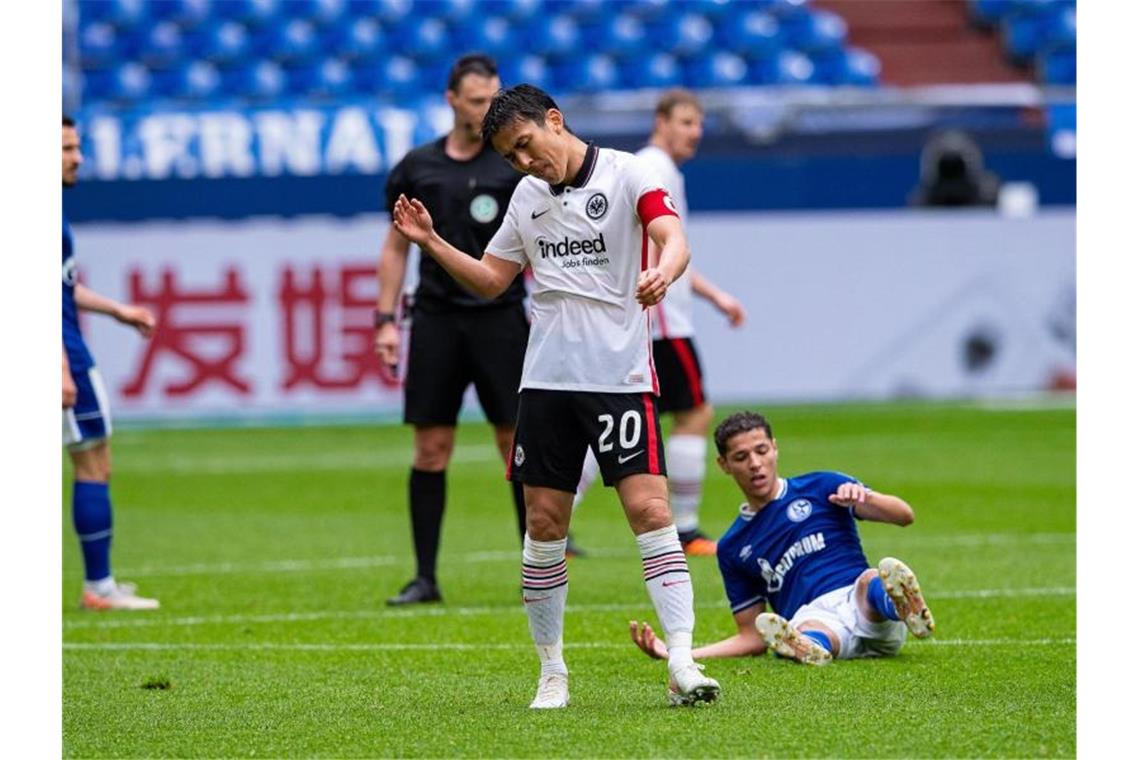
{"x": 796, "y": 548}
{"x": 77, "y": 354}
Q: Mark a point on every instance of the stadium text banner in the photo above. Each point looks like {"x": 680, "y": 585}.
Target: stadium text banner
{"x": 273, "y": 318}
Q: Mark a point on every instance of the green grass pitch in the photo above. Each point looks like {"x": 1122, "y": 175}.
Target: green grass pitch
{"x": 272, "y": 551}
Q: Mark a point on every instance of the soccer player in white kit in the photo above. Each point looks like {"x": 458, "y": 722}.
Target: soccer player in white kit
{"x": 583, "y": 221}
{"x": 677, "y": 129}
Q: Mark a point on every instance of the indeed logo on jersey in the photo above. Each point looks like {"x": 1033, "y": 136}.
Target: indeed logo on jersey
{"x": 774, "y": 576}
{"x": 568, "y": 247}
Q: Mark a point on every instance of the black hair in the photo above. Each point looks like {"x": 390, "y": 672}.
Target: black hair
{"x": 523, "y": 102}
{"x": 737, "y": 423}
{"x": 472, "y": 63}
{"x": 68, "y": 121}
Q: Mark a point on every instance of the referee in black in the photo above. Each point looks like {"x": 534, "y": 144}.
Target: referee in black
{"x": 457, "y": 338}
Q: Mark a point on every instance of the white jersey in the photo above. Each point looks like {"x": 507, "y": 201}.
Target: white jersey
{"x": 586, "y": 245}
{"x": 673, "y": 317}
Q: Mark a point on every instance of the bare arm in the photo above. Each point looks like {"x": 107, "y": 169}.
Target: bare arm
{"x": 669, "y": 239}
{"x": 745, "y": 642}
{"x": 487, "y": 277}
{"x": 137, "y": 317}
{"x": 872, "y": 505}
{"x": 724, "y": 302}
{"x": 390, "y": 272}
{"x": 69, "y": 389}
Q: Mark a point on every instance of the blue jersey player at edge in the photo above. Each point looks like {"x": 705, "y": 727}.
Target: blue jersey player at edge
{"x": 87, "y": 420}
{"x": 795, "y": 548}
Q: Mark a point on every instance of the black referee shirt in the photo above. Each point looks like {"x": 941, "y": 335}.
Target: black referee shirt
{"x": 467, "y": 201}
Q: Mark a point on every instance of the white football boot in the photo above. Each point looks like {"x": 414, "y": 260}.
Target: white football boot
{"x": 902, "y": 587}
{"x": 688, "y": 685}
{"x": 553, "y": 692}
{"x": 121, "y": 597}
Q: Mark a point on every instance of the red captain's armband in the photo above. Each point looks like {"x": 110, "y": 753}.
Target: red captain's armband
{"x": 655, "y": 203}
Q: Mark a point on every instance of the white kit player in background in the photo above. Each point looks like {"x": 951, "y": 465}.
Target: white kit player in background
{"x": 582, "y": 221}
{"x": 677, "y": 130}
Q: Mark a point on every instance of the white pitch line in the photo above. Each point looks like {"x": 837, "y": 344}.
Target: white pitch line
{"x": 459, "y": 647}
{"x": 440, "y": 611}
{"x": 628, "y": 552}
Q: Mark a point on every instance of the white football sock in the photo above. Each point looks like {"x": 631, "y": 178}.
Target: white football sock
{"x": 545, "y": 584}
{"x": 670, "y": 588}
{"x": 685, "y": 459}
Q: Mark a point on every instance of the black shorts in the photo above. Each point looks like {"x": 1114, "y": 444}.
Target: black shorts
{"x": 450, "y": 350}
{"x": 556, "y": 427}
{"x": 678, "y": 374}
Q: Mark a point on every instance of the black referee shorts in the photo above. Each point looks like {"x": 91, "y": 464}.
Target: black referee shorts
{"x": 679, "y": 374}
{"x": 450, "y": 350}
{"x": 556, "y": 427}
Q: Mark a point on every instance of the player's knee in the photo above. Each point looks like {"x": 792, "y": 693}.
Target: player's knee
{"x": 433, "y": 452}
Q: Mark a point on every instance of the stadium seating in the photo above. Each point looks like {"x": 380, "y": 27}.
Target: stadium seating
{"x": 200, "y": 52}
{"x": 1039, "y": 33}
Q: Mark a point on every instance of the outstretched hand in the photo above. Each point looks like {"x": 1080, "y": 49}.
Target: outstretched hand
{"x": 412, "y": 220}
{"x": 647, "y": 640}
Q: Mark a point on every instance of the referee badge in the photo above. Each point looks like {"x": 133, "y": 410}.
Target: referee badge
{"x": 484, "y": 208}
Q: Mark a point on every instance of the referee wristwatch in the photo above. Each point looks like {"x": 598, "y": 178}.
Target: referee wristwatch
{"x": 381, "y": 318}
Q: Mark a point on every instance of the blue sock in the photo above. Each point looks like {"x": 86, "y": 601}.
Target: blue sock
{"x": 91, "y": 513}
{"x": 819, "y": 637}
{"x": 880, "y": 601}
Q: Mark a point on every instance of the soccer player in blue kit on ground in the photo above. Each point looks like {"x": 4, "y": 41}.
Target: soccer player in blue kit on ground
{"x": 795, "y": 546}
{"x": 87, "y": 419}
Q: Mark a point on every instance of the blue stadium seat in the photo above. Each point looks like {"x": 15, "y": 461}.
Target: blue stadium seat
{"x": 162, "y": 46}
{"x": 186, "y": 13}
{"x": 847, "y": 67}
{"x": 256, "y": 13}
{"x": 493, "y": 35}
{"x": 397, "y": 77}
{"x": 518, "y": 11}
{"x": 718, "y": 69}
{"x": 683, "y": 35}
{"x": 591, "y": 73}
{"x": 713, "y": 10}
{"x": 294, "y": 42}
{"x": 453, "y": 11}
{"x": 554, "y": 36}
{"x": 129, "y": 83}
{"x": 424, "y": 38}
{"x": 197, "y": 82}
{"x": 787, "y": 9}
{"x": 585, "y": 11}
{"x": 816, "y": 32}
{"x": 227, "y": 43}
{"x": 319, "y": 12}
{"x": 622, "y": 35}
{"x": 786, "y": 68}
{"x": 359, "y": 38}
{"x": 329, "y": 78}
{"x": 101, "y": 46}
{"x": 1059, "y": 29}
{"x": 532, "y": 69}
{"x": 755, "y": 34}
{"x": 1058, "y": 67}
{"x": 387, "y": 12}
{"x": 649, "y": 10}
{"x": 260, "y": 81}
{"x": 121, "y": 13}
{"x": 654, "y": 70}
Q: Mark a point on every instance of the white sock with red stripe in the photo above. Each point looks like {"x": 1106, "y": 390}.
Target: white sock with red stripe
{"x": 685, "y": 458}
{"x": 670, "y": 588}
{"x": 545, "y": 583}
{"x": 589, "y": 475}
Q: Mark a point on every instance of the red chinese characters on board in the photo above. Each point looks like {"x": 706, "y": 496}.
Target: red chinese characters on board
{"x": 200, "y": 331}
